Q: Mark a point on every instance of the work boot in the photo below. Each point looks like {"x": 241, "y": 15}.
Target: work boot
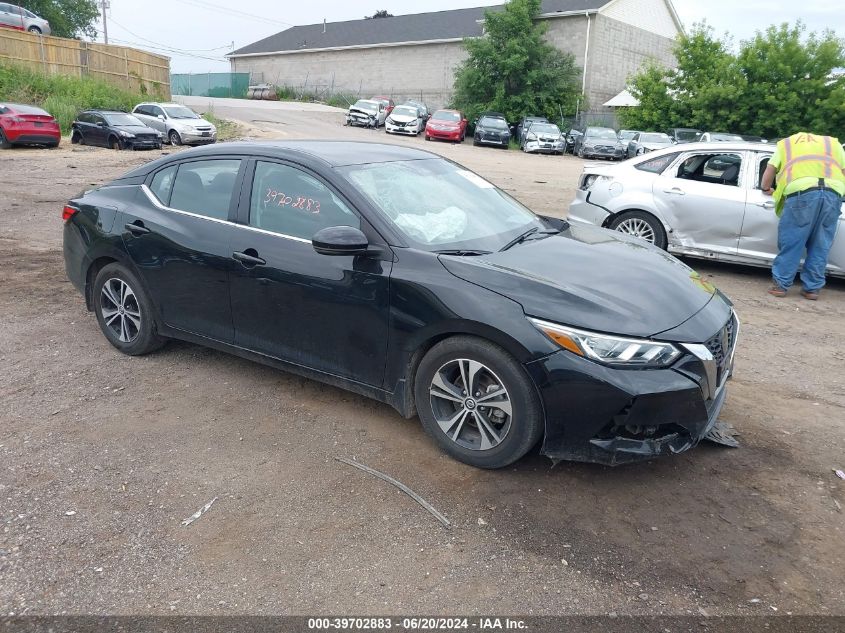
{"x": 777, "y": 291}
{"x": 811, "y": 295}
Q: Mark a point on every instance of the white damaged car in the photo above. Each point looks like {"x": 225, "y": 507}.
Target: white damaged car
{"x": 697, "y": 199}
{"x": 366, "y": 113}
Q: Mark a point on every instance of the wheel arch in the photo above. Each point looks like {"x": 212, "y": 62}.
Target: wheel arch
{"x": 421, "y": 344}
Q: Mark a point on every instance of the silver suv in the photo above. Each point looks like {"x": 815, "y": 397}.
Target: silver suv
{"x": 180, "y": 125}
{"x": 13, "y": 16}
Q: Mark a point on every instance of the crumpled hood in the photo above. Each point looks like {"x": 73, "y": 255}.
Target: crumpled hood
{"x": 360, "y": 112}
{"x": 592, "y": 278}
{"x": 136, "y": 129}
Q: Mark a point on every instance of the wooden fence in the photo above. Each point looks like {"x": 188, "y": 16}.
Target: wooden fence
{"x": 122, "y": 66}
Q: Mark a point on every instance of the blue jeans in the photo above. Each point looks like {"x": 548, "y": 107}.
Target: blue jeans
{"x": 809, "y": 221}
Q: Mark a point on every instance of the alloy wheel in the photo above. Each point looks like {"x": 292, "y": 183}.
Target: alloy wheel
{"x": 120, "y": 310}
{"x": 638, "y": 228}
{"x": 470, "y": 404}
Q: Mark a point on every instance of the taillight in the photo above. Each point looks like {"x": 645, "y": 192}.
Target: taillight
{"x": 68, "y": 212}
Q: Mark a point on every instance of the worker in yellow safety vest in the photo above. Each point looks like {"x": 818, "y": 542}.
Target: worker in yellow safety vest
{"x": 810, "y": 172}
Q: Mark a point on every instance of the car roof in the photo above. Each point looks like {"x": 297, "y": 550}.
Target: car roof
{"x": 367, "y": 101}
{"x": 330, "y": 153}
{"x": 159, "y": 103}
{"x": 729, "y": 146}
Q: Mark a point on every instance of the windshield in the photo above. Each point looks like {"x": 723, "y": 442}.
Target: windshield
{"x": 725, "y": 137}
{"x": 496, "y": 124}
{"x": 405, "y": 111}
{"x": 598, "y": 132}
{"x": 180, "y": 112}
{"x": 445, "y": 115}
{"x": 626, "y": 135}
{"x": 687, "y": 135}
{"x": 122, "y": 119}
{"x": 438, "y": 205}
{"x": 655, "y": 138}
{"x": 366, "y": 105}
{"x": 544, "y": 128}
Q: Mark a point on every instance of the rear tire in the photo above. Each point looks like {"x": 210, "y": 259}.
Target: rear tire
{"x": 643, "y": 225}
{"x": 124, "y": 311}
{"x": 499, "y": 419}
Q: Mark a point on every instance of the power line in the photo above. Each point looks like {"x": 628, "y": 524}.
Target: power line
{"x": 177, "y": 52}
{"x": 187, "y": 50}
{"x": 203, "y": 4}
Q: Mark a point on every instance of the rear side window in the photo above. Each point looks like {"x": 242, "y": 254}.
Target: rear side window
{"x": 289, "y": 201}
{"x": 657, "y": 164}
{"x": 205, "y": 187}
{"x": 162, "y": 184}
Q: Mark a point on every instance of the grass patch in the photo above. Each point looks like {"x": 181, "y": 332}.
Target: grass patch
{"x": 63, "y": 96}
{"x": 226, "y": 129}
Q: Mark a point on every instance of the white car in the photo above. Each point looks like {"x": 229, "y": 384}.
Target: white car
{"x": 404, "y": 119}
{"x": 178, "y": 124}
{"x": 697, "y": 199}
{"x": 366, "y": 113}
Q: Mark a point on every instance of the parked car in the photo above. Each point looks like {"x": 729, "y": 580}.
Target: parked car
{"x": 27, "y": 125}
{"x": 755, "y": 139}
{"x": 387, "y": 102}
{"x": 543, "y": 138}
{"x": 526, "y": 121}
{"x": 626, "y": 135}
{"x": 693, "y": 199}
{"x": 366, "y": 113}
{"x": 446, "y": 125}
{"x": 644, "y": 142}
{"x": 571, "y": 137}
{"x": 683, "y": 134}
{"x": 719, "y": 137}
{"x": 419, "y": 105}
{"x": 178, "y": 124}
{"x": 286, "y": 253}
{"x": 491, "y": 129}
{"x": 600, "y": 142}
{"x": 404, "y": 119}
{"x": 117, "y": 130}
{"x": 16, "y": 17}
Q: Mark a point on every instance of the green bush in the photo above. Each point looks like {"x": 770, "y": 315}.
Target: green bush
{"x": 287, "y": 93}
{"x": 341, "y": 100}
{"x": 62, "y": 96}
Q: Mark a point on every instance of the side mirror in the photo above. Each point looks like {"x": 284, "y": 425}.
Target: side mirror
{"x": 101, "y": 124}
{"x": 340, "y": 240}
{"x": 160, "y": 117}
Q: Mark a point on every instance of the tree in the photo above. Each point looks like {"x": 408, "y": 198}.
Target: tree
{"x": 775, "y": 84}
{"x": 67, "y": 18}
{"x": 513, "y": 70}
{"x": 381, "y": 13}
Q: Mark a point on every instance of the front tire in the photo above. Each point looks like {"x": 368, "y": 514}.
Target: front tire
{"x": 35, "y": 29}
{"x": 4, "y": 142}
{"x": 115, "y": 144}
{"x": 76, "y": 138}
{"x": 124, "y": 311}
{"x": 643, "y": 225}
{"x": 477, "y": 402}
{"x": 174, "y": 138}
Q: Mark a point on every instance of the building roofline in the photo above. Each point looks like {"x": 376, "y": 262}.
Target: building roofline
{"x": 346, "y": 48}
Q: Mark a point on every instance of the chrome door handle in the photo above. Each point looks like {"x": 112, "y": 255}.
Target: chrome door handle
{"x": 675, "y": 190}
{"x": 768, "y": 204}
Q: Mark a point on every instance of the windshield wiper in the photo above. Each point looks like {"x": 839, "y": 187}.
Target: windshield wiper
{"x": 524, "y": 236}
{"x": 465, "y": 252}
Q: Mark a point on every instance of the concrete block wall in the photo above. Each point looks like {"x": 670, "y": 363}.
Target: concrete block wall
{"x": 618, "y": 50}
{"x": 401, "y": 72}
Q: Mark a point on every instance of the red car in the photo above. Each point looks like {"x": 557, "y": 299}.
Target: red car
{"x": 388, "y": 104}
{"x": 27, "y": 125}
{"x": 448, "y": 125}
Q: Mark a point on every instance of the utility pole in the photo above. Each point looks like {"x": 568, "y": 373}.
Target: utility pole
{"x": 105, "y": 5}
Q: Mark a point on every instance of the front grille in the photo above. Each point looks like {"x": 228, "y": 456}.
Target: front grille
{"x": 721, "y": 346}
{"x": 203, "y": 129}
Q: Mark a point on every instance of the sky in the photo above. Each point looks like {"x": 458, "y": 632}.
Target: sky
{"x": 196, "y": 34}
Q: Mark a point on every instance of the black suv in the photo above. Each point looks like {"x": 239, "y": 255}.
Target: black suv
{"x": 117, "y": 130}
{"x": 491, "y": 128}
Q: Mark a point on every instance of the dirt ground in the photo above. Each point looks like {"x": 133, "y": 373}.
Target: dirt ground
{"x": 102, "y": 456}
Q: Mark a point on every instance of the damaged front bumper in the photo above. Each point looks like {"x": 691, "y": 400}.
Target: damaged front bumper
{"x": 600, "y": 414}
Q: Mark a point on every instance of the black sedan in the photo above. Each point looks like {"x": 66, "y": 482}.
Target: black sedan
{"x": 334, "y": 260}
{"x": 117, "y": 130}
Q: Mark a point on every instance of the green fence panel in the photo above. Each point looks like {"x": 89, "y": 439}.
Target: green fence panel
{"x": 210, "y": 84}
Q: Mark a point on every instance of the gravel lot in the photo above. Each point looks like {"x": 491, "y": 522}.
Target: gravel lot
{"x": 102, "y": 456}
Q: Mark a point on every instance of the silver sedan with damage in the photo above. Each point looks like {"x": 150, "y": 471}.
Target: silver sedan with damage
{"x": 697, "y": 199}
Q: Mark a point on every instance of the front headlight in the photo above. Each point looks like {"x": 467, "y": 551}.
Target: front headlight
{"x": 607, "y": 349}
{"x": 531, "y": 136}
{"x": 125, "y": 134}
